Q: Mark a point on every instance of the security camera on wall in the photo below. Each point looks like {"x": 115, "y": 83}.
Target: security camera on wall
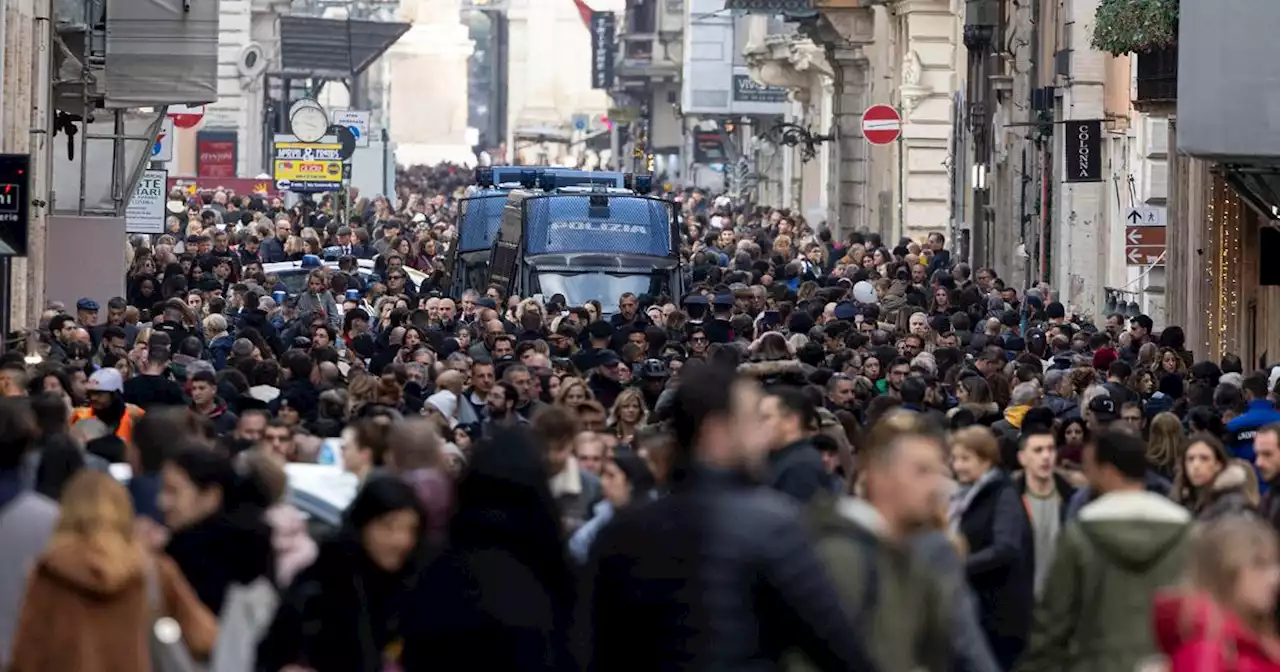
{"x": 252, "y": 61}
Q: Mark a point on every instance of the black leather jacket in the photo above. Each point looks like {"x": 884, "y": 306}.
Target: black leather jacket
{"x": 718, "y": 575}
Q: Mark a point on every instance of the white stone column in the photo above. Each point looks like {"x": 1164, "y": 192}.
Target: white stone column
{"x": 847, "y": 32}
{"x": 926, "y": 76}
{"x": 1080, "y": 223}
{"x": 429, "y": 85}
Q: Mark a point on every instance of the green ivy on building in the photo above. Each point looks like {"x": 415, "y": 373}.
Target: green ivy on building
{"x": 1123, "y": 26}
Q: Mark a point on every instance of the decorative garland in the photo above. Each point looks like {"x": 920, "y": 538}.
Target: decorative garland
{"x": 1124, "y": 26}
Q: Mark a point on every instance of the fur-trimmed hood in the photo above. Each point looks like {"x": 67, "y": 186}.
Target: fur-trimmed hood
{"x": 1233, "y": 492}
{"x": 1233, "y": 478}
{"x": 789, "y": 371}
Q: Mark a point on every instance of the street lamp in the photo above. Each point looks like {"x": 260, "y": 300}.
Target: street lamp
{"x": 793, "y": 135}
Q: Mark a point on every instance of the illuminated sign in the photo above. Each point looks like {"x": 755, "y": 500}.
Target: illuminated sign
{"x": 15, "y": 180}
{"x": 601, "y": 227}
{"x": 307, "y": 166}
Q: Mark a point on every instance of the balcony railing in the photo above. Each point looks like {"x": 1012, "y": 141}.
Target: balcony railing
{"x": 1158, "y": 76}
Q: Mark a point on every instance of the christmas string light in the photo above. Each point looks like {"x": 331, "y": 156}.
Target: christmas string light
{"x": 1225, "y": 212}
{"x": 1222, "y": 274}
{"x": 1231, "y": 272}
{"x": 1207, "y": 279}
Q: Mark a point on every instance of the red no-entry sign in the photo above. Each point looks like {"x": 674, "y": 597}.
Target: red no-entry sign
{"x": 186, "y": 116}
{"x": 881, "y": 124}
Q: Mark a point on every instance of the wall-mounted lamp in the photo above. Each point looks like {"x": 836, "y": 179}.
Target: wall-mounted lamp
{"x": 793, "y": 135}
{"x": 979, "y": 176}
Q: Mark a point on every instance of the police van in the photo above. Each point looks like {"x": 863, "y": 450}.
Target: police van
{"x": 480, "y": 213}
{"x": 593, "y": 243}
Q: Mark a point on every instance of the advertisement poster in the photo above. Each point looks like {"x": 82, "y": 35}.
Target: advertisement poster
{"x": 216, "y": 153}
{"x": 307, "y": 166}
{"x": 145, "y": 213}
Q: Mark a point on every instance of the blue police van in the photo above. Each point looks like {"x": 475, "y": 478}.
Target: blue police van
{"x": 480, "y": 214}
{"x": 593, "y": 243}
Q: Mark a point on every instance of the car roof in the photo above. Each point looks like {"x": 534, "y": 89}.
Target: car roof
{"x": 366, "y": 267}
{"x": 324, "y": 487}
{"x": 332, "y": 485}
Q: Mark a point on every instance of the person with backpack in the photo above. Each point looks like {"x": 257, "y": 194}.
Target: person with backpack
{"x": 866, "y": 547}
{"x": 1095, "y": 614}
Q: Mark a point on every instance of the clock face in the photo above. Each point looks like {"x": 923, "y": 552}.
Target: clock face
{"x": 309, "y": 124}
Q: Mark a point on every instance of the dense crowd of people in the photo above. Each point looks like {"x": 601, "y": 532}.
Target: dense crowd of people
{"x": 837, "y": 453}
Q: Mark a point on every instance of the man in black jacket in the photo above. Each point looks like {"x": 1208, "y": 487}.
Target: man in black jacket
{"x": 720, "y": 574}
{"x": 795, "y": 465}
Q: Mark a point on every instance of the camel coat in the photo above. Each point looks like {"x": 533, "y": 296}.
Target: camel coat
{"x": 87, "y": 611}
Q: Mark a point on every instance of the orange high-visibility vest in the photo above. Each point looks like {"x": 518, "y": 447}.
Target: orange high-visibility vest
{"x": 125, "y": 430}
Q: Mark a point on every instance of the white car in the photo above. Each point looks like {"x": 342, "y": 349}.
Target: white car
{"x": 320, "y": 492}
{"x": 294, "y": 276}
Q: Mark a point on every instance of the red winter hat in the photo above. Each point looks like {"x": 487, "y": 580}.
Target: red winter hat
{"x": 1103, "y": 358}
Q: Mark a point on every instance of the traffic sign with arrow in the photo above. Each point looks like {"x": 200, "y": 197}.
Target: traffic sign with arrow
{"x": 1144, "y": 244}
{"x": 1146, "y": 216}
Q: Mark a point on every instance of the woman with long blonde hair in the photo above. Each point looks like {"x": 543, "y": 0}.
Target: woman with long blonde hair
{"x": 573, "y": 391}
{"x": 1165, "y": 444}
{"x": 628, "y": 414}
{"x": 93, "y": 598}
{"x": 1223, "y": 617}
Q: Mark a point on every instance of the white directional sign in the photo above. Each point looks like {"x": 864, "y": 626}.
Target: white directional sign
{"x": 1146, "y": 216}
{"x": 357, "y": 121}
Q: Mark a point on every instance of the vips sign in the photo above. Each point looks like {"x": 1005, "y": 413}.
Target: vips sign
{"x": 603, "y": 48}
{"x": 747, "y": 90}
{"x": 307, "y": 167}
{"x": 1084, "y": 151}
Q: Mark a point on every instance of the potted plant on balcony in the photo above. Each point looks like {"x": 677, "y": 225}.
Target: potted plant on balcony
{"x": 1142, "y": 26}
{"x": 1148, "y": 28}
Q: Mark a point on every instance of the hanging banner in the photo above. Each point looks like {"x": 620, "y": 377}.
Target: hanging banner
{"x": 603, "y": 49}
{"x": 1084, "y": 151}
{"x": 307, "y": 167}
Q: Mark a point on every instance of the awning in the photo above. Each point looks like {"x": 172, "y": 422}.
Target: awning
{"x": 1259, "y": 186}
{"x": 333, "y": 48}
{"x": 770, "y": 6}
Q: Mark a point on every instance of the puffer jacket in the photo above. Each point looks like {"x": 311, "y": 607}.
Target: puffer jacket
{"x": 739, "y": 551}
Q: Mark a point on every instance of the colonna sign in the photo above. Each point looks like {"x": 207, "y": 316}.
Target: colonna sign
{"x": 1084, "y": 151}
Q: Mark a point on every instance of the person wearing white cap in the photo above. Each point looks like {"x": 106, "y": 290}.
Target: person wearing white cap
{"x": 106, "y": 403}
{"x": 447, "y": 403}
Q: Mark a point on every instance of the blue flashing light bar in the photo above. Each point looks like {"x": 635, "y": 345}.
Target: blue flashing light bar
{"x": 546, "y": 179}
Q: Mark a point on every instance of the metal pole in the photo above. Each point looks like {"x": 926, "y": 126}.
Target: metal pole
{"x": 6, "y": 294}
{"x": 902, "y": 190}
{"x": 615, "y": 146}
{"x": 117, "y": 162}
{"x": 85, "y": 77}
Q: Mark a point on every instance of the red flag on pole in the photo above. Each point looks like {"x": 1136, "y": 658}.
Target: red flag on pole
{"x": 585, "y": 12}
